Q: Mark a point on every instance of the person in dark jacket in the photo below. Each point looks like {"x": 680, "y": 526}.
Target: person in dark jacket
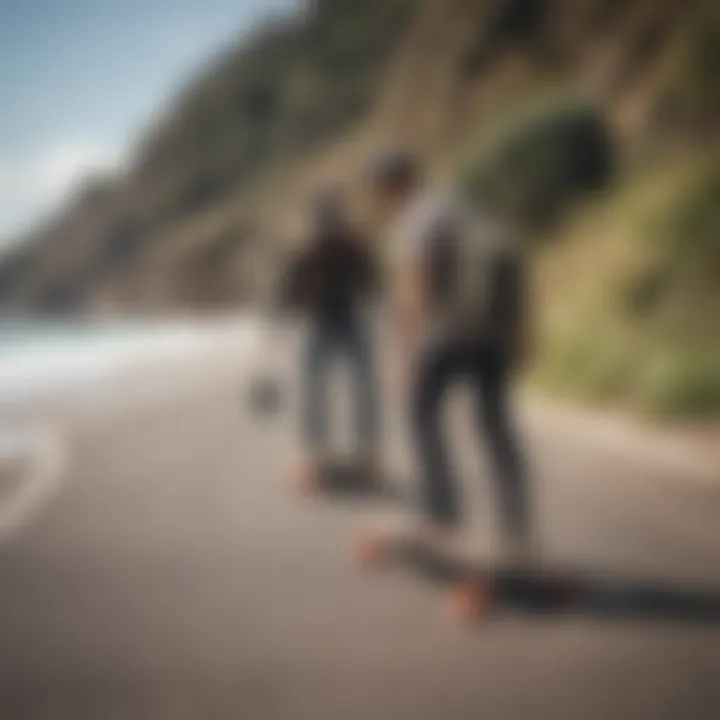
{"x": 329, "y": 283}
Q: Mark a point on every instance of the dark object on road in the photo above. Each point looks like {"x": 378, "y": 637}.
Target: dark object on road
{"x": 265, "y": 396}
{"x": 345, "y": 478}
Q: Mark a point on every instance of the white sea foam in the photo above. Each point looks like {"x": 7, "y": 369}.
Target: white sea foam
{"x": 42, "y": 361}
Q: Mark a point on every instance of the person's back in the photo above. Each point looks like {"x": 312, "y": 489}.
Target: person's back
{"x": 335, "y": 276}
{"x": 470, "y": 267}
{"x": 334, "y": 273}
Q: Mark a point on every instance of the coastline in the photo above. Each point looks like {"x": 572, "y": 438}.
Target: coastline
{"x": 139, "y": 368}
{"x": 38, "y": 422}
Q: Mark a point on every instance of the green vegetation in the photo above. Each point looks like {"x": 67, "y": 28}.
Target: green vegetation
{"x": 634, "y": 317}
{"x": 541, "y": 160}
{"x": 684, "y": 273}
{"x": 629, "y": 293}
{"x": 631, "y": 306}
{"x": 695, "y": 94}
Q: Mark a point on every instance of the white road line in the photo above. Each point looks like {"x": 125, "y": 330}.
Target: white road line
{"x": 46, "y": 462}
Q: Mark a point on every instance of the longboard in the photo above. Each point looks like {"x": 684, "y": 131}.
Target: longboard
{"x": 476, "y": 589}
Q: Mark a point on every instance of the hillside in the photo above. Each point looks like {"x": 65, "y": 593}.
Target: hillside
{"x": 149, "y": 239}
{"x": 207, "y": 180}
{"x": 630, "y": 295}
{"x": 217, "y": 185}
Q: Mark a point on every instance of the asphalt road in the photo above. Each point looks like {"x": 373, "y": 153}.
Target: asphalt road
{"x": 173, "y": 575}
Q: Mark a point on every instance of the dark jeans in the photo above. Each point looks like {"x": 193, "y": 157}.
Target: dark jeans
{"x": 438, "y": 367}
{"x": 327, "y": 342}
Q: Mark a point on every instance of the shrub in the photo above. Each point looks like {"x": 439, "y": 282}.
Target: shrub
{"x": 692, "y": 227}
{"x": 685, "y": 233}
{"x": 695, "y": 95}
{"x": 685, "y": 381}
{"x": 536, "y": 164}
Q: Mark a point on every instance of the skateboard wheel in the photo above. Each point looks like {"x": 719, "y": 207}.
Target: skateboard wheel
{"x": 373, "y": 551}
{"x": 472, "y": 601}
{"x": 304, "y": 482}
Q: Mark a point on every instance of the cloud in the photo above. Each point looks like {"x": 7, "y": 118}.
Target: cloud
{"x": 32, "y": 186}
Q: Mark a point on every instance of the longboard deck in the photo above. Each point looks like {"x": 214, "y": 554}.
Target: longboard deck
{"x": 478, "y": 588}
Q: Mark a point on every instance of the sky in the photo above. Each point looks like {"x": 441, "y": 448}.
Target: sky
{"x": 79, "y": 79}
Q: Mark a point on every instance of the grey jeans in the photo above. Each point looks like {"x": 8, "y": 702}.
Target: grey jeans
{"x": 438, "y": 366}
{"x": 326, "y": 343}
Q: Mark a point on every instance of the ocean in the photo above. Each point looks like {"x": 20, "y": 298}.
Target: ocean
{"x": 38, "y": 359}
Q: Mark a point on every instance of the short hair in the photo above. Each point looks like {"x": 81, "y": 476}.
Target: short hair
{"x": 396, "y": 169}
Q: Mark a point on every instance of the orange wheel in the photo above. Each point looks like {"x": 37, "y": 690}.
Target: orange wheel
{"x": 303, "y": 481}
{"x": 472, "y": 601}
{"x": 373, "y": 551}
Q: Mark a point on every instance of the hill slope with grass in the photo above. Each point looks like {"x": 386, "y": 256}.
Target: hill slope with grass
{"x": 630, "y": 295}
{"x": 570, "y": 117}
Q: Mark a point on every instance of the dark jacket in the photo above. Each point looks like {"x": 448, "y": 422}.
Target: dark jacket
{"x": 331, "y": 277}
